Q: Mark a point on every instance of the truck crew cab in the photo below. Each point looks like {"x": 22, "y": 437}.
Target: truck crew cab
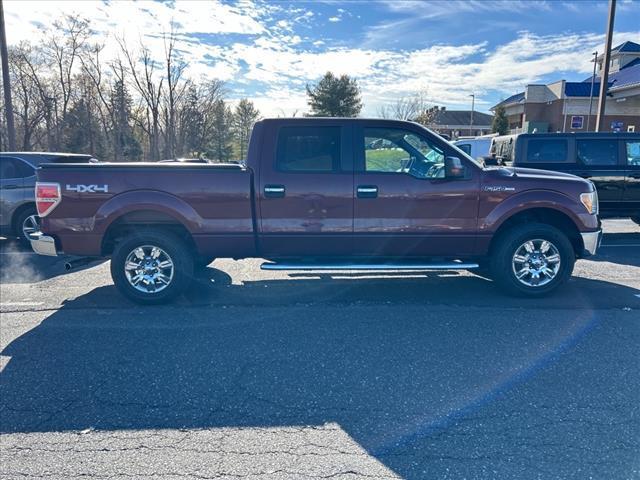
{"x": 321, "y": 193}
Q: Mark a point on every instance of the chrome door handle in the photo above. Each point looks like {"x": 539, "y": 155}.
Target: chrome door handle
{"x": 274, "y": 191}
{"x": 367, "y": 191}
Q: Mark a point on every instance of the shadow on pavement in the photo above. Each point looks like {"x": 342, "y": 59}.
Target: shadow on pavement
{"x": 388, "y": 377}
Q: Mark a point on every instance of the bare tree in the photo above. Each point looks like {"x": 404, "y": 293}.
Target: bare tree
{"x": 175, "y": 68}
{"x": 149, "y": 87}
{"x": 406, "y": 107}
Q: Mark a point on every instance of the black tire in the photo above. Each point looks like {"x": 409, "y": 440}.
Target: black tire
{"x": 173, "y": 248}
{"x": 27, "y": 215}
{"x": 503, "y": 262}
{"x": 204, "y": 261}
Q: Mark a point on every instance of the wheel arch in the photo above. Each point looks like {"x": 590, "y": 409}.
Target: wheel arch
{"x": 29, "y": 205}
{"x": 547, "y": 215}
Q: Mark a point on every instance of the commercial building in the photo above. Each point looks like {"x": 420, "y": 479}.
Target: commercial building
{"x": 456, "y": 123}
{"x": 564, "y": 106}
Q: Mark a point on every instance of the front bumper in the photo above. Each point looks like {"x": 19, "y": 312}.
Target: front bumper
{"x": 591, "y": 241}
{"x": 43, "y": 244}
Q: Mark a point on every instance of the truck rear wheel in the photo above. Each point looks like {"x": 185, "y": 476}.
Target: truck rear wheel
{"x": 152, "y": 266}
{"x": 532, "y": 260}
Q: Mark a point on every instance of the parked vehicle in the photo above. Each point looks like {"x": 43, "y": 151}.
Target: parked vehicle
{"x": 18, "y": 214}
{"x": 610, "y": 160}
{"x": 475, "y": 147}
{"x": 321, "y": 194}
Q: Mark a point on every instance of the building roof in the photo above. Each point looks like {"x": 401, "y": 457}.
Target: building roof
{"x": 582, "y": 89}
{"x": 517, "y": 98}
{"x": 461, "y": 117}
{"x": 625, "y": 77}
{"x": 627, "y": 47}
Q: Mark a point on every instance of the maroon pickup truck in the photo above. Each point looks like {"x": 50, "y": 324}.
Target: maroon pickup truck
{"x": 321, "y": 194}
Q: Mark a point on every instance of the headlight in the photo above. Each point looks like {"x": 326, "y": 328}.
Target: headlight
{"x": 590, "y": 201}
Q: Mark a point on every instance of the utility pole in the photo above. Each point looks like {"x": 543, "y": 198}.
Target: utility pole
{"x": 473, "y": 100}
{"x": 11, "y": 129}
{"x": 593, "y": 79}
{"x": 604, "y": 78}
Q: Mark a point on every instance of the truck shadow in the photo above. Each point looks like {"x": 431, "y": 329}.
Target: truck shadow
{"x": 388, "y": 377}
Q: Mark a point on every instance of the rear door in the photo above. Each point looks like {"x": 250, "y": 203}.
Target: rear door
{"x": 404, "y": 206}
{"x": 306, "y": 189}
{"x": 631, "y": 197}
{"x": 598, "y": 159}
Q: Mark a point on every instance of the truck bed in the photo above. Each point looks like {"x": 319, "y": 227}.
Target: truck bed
{"x": 214, "y": 202}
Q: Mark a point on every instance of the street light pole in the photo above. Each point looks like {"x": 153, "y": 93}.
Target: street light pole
{"x": 604, "y": 78}
{"x": 593, "y": 79}
{"x": 473, "y": 101}
{"x": 11, "y": 130}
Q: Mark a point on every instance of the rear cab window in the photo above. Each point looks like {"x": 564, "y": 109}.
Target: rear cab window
{"x": 308, "y": 149}
{"x": 547, "y": 150}
{"x": 600, "y": 152}
{"x": 12, "y": 168}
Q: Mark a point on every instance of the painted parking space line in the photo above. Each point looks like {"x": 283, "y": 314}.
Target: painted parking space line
{"x": 621, "y": 245}
{"x": 21, "y": 304}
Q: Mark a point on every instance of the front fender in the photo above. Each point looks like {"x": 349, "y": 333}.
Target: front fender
{"x": 150, "y": 200}
{"x": 530, "y": 199}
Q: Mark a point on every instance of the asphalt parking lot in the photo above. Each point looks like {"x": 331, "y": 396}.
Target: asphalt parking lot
{"x": 273, "y": 375}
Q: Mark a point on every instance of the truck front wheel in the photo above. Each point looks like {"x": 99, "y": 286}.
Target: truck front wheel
{"x": 532, "y": 260}
{"x": 152, "y": 266}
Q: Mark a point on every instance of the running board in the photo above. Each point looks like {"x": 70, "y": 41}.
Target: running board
{"x": 368, "y": 266}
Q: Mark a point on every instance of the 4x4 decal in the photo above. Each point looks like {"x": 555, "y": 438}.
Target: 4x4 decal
{"x": 80, "y": 188}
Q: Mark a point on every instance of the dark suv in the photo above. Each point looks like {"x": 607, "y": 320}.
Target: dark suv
{"x": 610, "y": 160}
{"x": 18, "y": 214}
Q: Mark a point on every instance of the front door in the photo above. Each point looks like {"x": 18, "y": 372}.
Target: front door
{"x": 306, "y": 190}
{"x": 598, "y": 160}
{"x": 404, "y": 206}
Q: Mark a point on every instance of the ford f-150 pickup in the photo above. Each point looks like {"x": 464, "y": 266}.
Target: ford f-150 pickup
{"x": 321, "y": 194}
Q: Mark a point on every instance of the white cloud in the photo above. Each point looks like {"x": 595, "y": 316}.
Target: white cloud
{"x": 334, "y": 19}
{"x": 265, "y": 58}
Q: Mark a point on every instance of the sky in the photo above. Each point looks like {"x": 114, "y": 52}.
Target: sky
{"x": 268, "y": 51}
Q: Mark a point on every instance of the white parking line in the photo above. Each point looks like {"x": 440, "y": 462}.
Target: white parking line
{"x": 627, "y": 245}
{"x": 21, "y": 304}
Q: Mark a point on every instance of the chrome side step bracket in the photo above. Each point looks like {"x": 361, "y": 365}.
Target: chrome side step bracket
{"x": 369, "y": 266}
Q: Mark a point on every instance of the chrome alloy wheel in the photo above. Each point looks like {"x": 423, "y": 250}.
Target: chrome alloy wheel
{"x": 31, "y": 224}
{"x": 149, "y": 269}
{"x": 536, "y": 262}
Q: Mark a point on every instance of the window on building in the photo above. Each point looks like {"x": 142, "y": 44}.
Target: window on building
{"x": 547, "y": 150}
{"x": 631, "y": 128}
{"x": 577, "y": 121}
{"x": 308, "y": 149}
{"x": 597, "y": 152}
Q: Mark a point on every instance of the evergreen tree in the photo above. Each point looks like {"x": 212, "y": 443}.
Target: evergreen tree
{"x": 126, "y": 146}
{"x": 334, "y": 97}
{"x": 220, "y": 148}
{"x": 192, "y": 123}
{"x": 500, "y": 124}
{"x": 245, "y": 115}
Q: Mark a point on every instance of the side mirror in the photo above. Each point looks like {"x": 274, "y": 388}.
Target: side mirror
{"x": 454, "y": 168}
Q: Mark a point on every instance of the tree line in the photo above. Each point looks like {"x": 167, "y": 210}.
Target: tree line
{"x": 132, "y": 107}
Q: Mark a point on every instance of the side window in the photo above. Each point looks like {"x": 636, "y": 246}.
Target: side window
{"x": 597, "y": 152}
{"x": 633, "y": 154}
{"x": 308, "y": 149}
{"x": 465, "y": 147}
{"x": 401, "y": 151}
{"x": 14, "y": 168}
{"x": 543, "y": 150}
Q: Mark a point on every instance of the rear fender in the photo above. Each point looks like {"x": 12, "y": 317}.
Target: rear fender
{"x": 148, "y": 200}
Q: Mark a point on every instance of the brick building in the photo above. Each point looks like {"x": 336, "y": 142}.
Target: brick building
{"x": 456, "y": 123}
{"x": 564, "y": 106}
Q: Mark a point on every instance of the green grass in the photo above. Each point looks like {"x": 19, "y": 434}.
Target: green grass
{"x": 386, "y": 160}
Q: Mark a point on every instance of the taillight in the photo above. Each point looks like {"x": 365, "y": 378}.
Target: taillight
{"x": 47, "y": 197}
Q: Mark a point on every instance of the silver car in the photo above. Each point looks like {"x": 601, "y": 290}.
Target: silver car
{"x": 18, "y": 216}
